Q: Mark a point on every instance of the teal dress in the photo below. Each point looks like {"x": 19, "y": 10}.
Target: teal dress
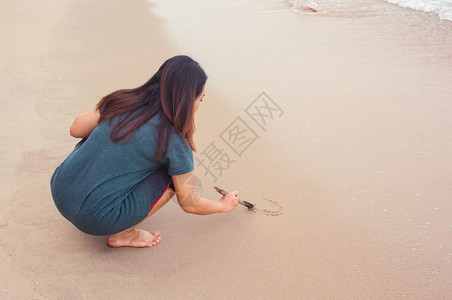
{"x": 104, "y": 187}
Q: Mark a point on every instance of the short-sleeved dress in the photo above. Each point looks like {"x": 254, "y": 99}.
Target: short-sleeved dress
{"x": 104, "y": 187}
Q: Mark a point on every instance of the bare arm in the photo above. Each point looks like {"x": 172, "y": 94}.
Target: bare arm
{"x": 189, "y": 200}
{"x": 84, "y": 124}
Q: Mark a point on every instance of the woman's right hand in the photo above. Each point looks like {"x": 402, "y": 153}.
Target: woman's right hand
{"x": 230, "y": 201}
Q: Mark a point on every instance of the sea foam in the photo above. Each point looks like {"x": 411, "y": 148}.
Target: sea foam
{"x": 441, "y": 7}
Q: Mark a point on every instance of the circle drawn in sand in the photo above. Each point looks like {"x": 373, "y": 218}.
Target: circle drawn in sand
{"x": 279, "y": 210}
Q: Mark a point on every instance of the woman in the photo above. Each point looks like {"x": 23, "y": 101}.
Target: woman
{"x": 135, "y": 154}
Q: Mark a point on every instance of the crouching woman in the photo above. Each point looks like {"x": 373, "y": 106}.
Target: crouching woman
{"x": 135, "y": 154}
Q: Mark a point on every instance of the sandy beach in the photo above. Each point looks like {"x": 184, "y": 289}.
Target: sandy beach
{"x": 346, "y": 122}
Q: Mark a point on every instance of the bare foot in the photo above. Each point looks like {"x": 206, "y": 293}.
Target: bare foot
{"x": 134, "y": 238}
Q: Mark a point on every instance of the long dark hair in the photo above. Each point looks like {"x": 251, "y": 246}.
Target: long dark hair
{"x": 171, "y": 91}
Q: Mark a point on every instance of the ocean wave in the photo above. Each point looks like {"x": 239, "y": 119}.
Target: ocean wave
{"x": 441, "y": 7}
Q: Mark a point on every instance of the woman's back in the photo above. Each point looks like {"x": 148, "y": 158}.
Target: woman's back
{"x": 100, "y": 174}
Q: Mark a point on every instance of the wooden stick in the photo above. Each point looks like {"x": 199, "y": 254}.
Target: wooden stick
{"x": 243, "y": 202}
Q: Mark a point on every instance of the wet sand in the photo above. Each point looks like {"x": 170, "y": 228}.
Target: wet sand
{"x": 359, "y": 152}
